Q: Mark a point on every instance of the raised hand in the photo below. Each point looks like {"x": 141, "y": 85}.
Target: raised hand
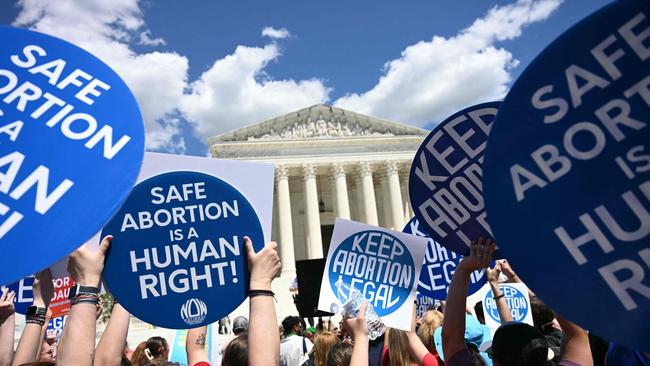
{"x": 493, "y": 273}
{"x": 357, "y": 326}
{"x": 504, "y": 266}
{"x": 43, "y": 288}
{"x": 264, "y": 266}
{"x": 479, "y": 256}
{"x": 85, "y": 266}
{"x": 7, "y": 307}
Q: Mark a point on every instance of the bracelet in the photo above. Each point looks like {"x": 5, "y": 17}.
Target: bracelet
{"x": 499, "y": 297}
{"x": 85, "y": 298}
{"x": 253, "y": 293}
{"x": 35, "y": 319}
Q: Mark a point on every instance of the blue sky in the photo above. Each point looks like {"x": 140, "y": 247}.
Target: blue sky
{"x": 200, "y": 68}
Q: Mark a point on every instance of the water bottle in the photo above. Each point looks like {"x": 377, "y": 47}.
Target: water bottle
{"x": 351, "y": 304}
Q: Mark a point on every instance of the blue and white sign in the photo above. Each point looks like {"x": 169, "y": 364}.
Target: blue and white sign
{"x": 439, "y": 266}
{"x": 178, "y": 259}
{"x": 445, "y": 186}
{"x": 71, "y": 145}
{"x": 55, "y": 326}
{"x": 382, "y": 264}
{"x": 517, "y": 299}
{"x": 422, "y": 303}
{"x": 567, "y": 174}
{"x": 24, "y": 294}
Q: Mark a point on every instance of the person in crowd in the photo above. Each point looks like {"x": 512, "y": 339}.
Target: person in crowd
{"x": 310, "y": 333}
{"x": 47, "y": 351}
{"x": 239, "y": 325}
{"x": 396, "y": 351}
{"x": 514, "y": 344}
{"x": 7, "y": 326}
{"x": 35, "y": 321}
{"x": 294, "y": 348}
{"x": 137, "y": 356}
{"x": 544, "y": 321}
{"x": 429, "y": 322}
{"x": 323, "y": 342}
{"x": 224, "y": 325}
{"x": 112, "y": 344}
{"x": 340, "y": 355}
{"x": 261, "y": 344}
{"x": 478, "y": 312}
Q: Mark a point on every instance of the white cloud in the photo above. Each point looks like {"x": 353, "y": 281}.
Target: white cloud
{"x": 145, "y": 39}
{"x": 435, "y": 78}
{"x": 274, "y": 33}
{"x": 236, "y": 91}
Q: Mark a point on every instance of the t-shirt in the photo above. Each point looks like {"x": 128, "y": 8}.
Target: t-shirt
{"x": 202, "y": 363}
{"x": 294, "y": 350}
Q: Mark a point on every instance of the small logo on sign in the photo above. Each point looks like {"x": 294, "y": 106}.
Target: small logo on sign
{"x": 193, "y": 311}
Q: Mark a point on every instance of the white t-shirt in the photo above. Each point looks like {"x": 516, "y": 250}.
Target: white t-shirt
{"x": 293, "y": 352}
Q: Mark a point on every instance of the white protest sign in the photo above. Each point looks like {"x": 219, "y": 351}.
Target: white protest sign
{"x": 382, "y": 264}
{"x": 517, "y": 299}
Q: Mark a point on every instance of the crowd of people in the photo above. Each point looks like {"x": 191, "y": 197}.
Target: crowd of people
{"x": 452, "y": 334}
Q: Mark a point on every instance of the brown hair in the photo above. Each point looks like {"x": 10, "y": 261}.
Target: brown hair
{"x": 429, "y": 321}
{"x": 340, "y": 354}
{"x": 236, "y": 352}
{"x": 137, "y": 358}
{"x": 398, "y": 348}
{"x": 322, "y": 344}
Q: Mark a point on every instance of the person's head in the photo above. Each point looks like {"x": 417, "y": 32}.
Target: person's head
{"x": 156, "y": 348}
{"x": 137, "y": 357}
{"x": 310, "y": 333}
{"x": 236, "y": 353}
{"x": 542, "y": 314}
{"x": 292, "y": 324}
{"x": 519, "y": 344}
{"x": 239, "y": 325}
{"x": 339, "y": 355}
{"x": 478, "y": 310}
{"x": 398, "y": 348}
{"x": 323, "y": 342}
{"x": 429, "y": 321}
{"x": 477, "y": 338}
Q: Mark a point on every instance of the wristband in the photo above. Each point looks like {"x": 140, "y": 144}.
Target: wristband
{"x": 35, "y": 320}
{"x": 85, "y": 298}
{"x": 253, "y": 293}
{"x": 36, "y": 311}
{"x": 78, "y": 290}
{"x": 499, "y": 297}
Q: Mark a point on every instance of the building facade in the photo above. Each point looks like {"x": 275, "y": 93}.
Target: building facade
{"x": 329, "y": 163}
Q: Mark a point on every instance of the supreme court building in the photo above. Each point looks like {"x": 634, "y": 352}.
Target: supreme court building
{"x": 329, "y": 162}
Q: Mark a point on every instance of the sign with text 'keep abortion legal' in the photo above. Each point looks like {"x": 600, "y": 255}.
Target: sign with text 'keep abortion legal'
{"x": 439, "y": 266}
{"x": 445, "y": 186}
{"x": 382, "y": 264}
{"x": 71, "y": 145}
{"x": 567, "y": 174}
{"x": 517, "y": 299}
{"x": 178, "y": 258}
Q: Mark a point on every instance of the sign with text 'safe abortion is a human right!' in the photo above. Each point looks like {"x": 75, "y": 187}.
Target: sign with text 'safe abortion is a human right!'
{"x": 384, "y": 265}
{"x": 178, "y": 259}
{"x": 567, "y": 174}
{"x": 445, "y": 186}
{"x": 71, "y": 146}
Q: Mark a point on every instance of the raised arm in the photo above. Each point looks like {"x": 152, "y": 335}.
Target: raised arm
{"x": 31, "y": 339}
{"x": 575, "y": 343}
{"x": 7, "y": 325}
{"x": 417, "y": 349}
{"x": 453, "y": 326}
{"x": 77, "y": 345}
{"x": 502, "y": 307}
{"x": 111, "y": 345}
{"x": 263, "y": 336}
{"x": 195, "y": 346}
{"x": 358, "y": 328}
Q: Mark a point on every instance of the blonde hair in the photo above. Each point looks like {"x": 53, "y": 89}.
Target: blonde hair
{"x": 398, "y": 348}
{"x": 323, "y": 342}
{"x": 429, "y": 321}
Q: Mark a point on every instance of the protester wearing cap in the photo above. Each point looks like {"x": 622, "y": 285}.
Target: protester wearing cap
{"x": 477, "y": 337}
{"x": 239, "y": 325}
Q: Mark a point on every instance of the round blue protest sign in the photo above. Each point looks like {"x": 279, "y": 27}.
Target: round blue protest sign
{"x": 377, "y": 263}
{"x": 517, "y": 302}
{"x": 71, "y": 145}
{"x": 439, "y": 266}
{"x": 567, "y": 171}
{"x": 178, "y": 258}
{"x": 445, "y": 186}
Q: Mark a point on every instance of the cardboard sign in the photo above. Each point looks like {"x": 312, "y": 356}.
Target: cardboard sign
{"x": 55, "y": 325}
{"x": 567, "y": 170}
{"x": 59, "y": 304}
{"x": 178, "y": 259}
{"x": 445, "y": 181}
{"x": 517, "y": 299}
{"x": 71, "y": 145}
{"x": 383, "y": 264}
{"x": 439, "y": 266}
{"x": 422, "y": 303}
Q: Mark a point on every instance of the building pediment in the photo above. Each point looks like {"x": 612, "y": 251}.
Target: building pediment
{"x": 318, "y": 122}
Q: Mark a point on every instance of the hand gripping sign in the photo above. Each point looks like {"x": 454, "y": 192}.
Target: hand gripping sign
{"x": 71, "y": 145}
{"x": 178, "y": 259}
{"x": 439, "y": 266}
{"x": 383, "y": 264}
{"x": 445, "y": 181}
{"x": 567, "y": 174}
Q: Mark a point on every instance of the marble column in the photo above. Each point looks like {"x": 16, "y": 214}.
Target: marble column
{"x": 406, "y": 200}
{"x": 395, "y": 195}
{"x": 368, "y": 189}
{"x": 312, "y": 215}
{"x": 341, "y": 191}
{"x": 286, "y": 226}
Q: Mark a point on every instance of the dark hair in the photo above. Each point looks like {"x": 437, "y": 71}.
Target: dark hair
{"x": 339, "y": 355}
{"x": 158, "y": 347}
{"x": 478, "y": 310}
{"x": 519, "y": 344}
{"x": 289, "y": 322}
{"x": 477, "y": 359}
{"x": 542, "y": 314}
{"x": 236, "y": 353}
